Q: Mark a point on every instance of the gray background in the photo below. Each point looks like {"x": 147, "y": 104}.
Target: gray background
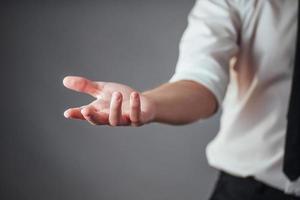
{"x": 44, "y": 156}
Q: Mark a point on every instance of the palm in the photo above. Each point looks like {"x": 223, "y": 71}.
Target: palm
{"x": 115, "y": 104}
{"x": 104, "y": 99}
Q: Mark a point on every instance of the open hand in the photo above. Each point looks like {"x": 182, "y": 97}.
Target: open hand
{"x": 116, "y": 104}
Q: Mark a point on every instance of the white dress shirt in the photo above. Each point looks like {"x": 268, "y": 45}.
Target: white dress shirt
{"x": 254, "y": 90}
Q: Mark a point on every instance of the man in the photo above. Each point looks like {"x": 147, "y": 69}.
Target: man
{"x": 254, "y": 92}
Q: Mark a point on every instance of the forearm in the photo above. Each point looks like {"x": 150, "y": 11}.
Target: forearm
{"x": 182, "y": 102}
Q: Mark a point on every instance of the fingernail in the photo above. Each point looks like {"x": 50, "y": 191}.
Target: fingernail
{"x": 117, "y": 96}
{"x": 134, "y": 95}
{"x": 66, "y": 114}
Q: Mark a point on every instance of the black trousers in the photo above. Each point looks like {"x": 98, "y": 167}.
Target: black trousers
{"x": 229, "y": 187}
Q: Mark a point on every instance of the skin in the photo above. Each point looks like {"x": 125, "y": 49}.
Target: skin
{"x": 115, "y": 104}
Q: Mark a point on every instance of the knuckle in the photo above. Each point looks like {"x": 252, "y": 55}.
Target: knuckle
{"x": 135, "y": 106}
{"x": 133, "y": 118}
{"x": 135, "y": 121}
{"x": 135, "y": 124}
{"x": 85, "y": 112}
{"x": 83, "y": 85}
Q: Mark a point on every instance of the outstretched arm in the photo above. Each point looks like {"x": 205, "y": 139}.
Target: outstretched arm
{"x": 116, "y": 104}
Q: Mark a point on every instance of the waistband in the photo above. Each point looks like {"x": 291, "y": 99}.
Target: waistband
{"x": 254, "y": 185}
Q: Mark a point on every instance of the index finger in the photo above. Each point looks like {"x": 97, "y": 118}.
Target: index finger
{"x": 81, "y": 84}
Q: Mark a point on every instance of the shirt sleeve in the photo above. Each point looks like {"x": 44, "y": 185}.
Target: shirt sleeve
{"x": 208, "y": 44}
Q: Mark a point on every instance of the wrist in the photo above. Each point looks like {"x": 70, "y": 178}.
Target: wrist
{"x": 152, "y": 106}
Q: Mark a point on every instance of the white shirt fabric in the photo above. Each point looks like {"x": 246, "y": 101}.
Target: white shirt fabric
{"x": 253, "y": 91}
